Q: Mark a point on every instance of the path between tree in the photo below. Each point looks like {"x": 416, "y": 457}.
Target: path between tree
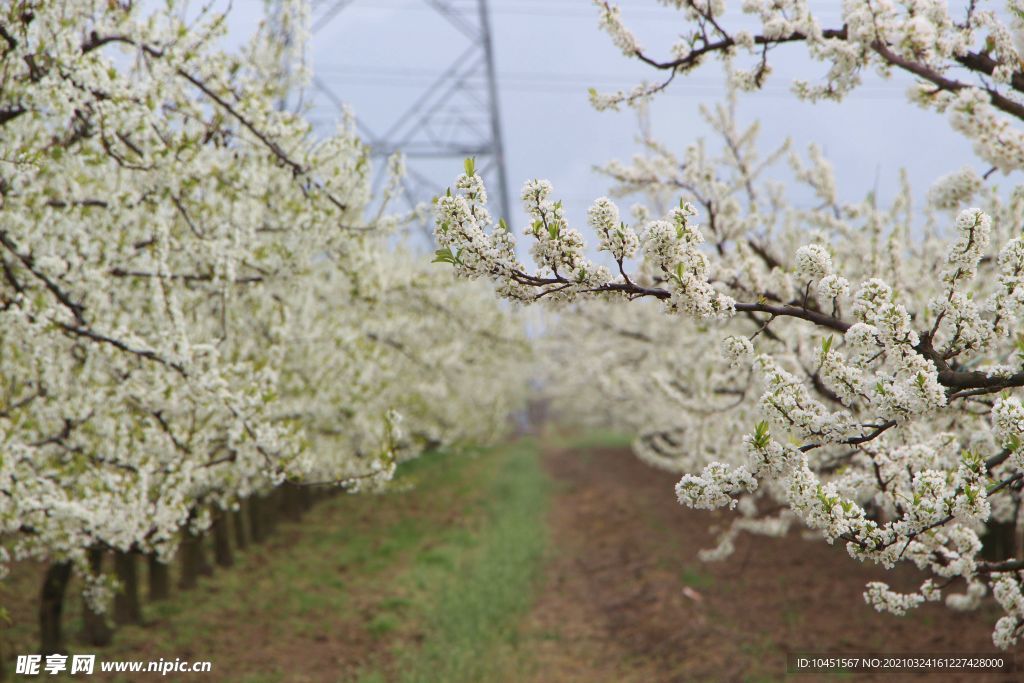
{"x": 625, "y": 599}
{"x": 399, "y": 587}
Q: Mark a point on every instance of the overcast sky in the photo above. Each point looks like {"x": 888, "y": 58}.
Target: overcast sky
{"x": 380, "y": 55}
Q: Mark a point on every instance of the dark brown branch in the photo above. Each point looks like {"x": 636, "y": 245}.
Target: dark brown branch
{"x": 979, "y": 63}
{"x": 121, "y": 346}
{"x": 96, "y": 41}
{"x": 11, "y": 114}
{"x": 695, "y": 56}
{"x": 797, "y": 312}
{"x": 995, "y": 567}
{"x": 159, "y": 416}
{"x": 974, "y": 379}
{"x": 186, "y": 277}
{"x": 92, "y": 203}
{"x": 881, "y": 429}
{"x": 948, "y": 518}
{"x": 998, "y": 100}
{"x": 76, "y": 309}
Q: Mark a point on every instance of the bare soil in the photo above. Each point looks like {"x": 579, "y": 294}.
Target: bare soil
{"x": 626, "y": 599}
{"x": 623, "y": 597}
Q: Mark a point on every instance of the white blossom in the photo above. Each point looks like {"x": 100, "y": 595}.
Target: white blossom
{"x": 881, "y": 407}
{"x": 813, "y": 261}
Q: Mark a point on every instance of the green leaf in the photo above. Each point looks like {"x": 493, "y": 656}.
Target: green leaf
{"x": 470, "y": 166}
{"x": 444, "y": 255}
{"x": 761, "y": 434}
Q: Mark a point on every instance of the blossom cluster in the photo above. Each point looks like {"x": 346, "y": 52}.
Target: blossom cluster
{"x": 825, "y": 367}
{"x": 194, "y": 307}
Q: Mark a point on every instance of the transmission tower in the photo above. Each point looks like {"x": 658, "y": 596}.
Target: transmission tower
{"x": 455, "y": 117}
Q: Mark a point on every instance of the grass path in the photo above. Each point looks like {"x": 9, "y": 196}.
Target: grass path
{"x": 425, "y": 583}
{"x": 469, "y": 606}
{"x": 565, "y": 563}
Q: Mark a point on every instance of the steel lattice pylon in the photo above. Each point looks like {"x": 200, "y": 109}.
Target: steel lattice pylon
{"x": 455, "y": 117}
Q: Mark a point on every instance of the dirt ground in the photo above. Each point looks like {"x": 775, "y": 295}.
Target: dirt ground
{"x": 622, "y": 598}
{"x": 626, "y": 599}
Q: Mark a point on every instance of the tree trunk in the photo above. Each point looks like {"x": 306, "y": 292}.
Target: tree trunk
{"x": 999, "y": 542}
{"x": 189, "y": 577}
{"x": 127, "y": 606}
{"x": 159, "y": 579}
{"x": 205, "y": 566}
{"x": 51, "y": 608}
{"x": 254, "y": 508}
{"x": 96, "y": 629}
{"x": 271, "y": 505}
{"x": 293, "y": 497}
{"x": 193, "y": 561}
{"x": 285, "y": 502}
{"x": 238, "y": 522}
{"x": 222, "y": 539}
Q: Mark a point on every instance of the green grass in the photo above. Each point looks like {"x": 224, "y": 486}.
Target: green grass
{"x": 592, "y": 438}
{"x": 382, "y": 624}
{"x": 436, "y": 573}
{"x": 470, "y": 592}
{"x": 695, "y": 578}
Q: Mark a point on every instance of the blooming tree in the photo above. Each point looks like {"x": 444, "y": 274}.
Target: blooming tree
{"x": 872, "y": 366}
{"x": 195, "y": 303}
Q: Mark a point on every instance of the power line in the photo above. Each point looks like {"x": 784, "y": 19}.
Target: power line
{"x": 456, "y": 114}
{"x": 376, "y": 76}
{"x": 571, "y": 9}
